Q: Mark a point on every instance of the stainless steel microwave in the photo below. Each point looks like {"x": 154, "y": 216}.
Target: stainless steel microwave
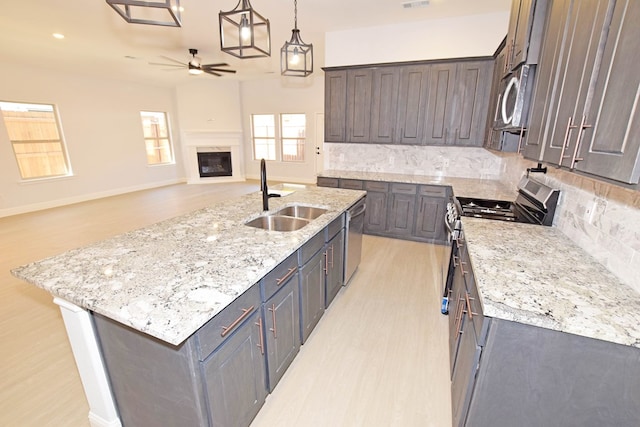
{"x": 515, "y": 95}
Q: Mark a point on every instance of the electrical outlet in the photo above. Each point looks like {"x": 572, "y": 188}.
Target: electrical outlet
{"x": 391, "y": 160}
{"x": 445, "y": 163}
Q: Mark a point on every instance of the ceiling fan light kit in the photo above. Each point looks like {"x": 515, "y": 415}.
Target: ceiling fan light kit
{"x": 194, "y": 65}
{"x": 296, "y": 57}
{"x": 244, "y": 33}
{"x": 165, "y": 13}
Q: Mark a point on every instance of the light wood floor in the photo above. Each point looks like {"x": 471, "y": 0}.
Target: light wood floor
{"x": 379, "y": 356}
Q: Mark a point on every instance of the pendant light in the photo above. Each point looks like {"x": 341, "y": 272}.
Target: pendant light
{"x": 244, "y": 33}
{"x": 296, "y": 57}
{"x": 165, "y": 13}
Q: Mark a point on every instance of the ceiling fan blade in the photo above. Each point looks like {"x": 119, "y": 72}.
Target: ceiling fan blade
{"x": 167, "y": 65}
{"x": 173, "y": 60}
{"x": 221, "y": 64}
{"x": 220, "y": 70}
{"x": 212, "y": 72}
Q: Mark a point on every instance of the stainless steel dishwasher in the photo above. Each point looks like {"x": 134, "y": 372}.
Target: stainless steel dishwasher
{"x": 355, "y": 226}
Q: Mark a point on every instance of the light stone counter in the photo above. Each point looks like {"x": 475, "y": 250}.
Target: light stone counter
{"x": 169, "y": 279}
{"x": 535, "y": 275}
{"x": 464, "y": 187}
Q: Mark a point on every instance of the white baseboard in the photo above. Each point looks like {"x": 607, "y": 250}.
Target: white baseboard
{"x": 85, "y": 197}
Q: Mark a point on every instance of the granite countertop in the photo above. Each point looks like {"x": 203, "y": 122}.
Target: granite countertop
{"x": 464, "y": 187}
{"x": 169, "y": 279}
{"x": 535, "y": 275}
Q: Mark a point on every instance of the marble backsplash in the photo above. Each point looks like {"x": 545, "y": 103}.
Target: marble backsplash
{"x": 601, "y": 218}
{"x": 459, "y": 162}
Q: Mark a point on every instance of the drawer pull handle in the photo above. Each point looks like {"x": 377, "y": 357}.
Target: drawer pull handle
{"x": 284, "y": 278}
{"x": 470, "y": 312}
{"x": 272, "y": 309}
{"x": 245, "y": 313}
{"x": 261, "y": 343}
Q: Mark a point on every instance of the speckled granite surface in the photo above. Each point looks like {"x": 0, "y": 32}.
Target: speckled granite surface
{"x": 536, "y": 275}
{"x": 169, "y": 279}
{"x": 466, "y": 187}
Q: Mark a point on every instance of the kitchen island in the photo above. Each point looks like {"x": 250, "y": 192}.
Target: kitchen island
{"x": 168, "y": 280}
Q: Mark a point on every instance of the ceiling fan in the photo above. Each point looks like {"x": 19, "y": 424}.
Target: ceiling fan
{"x": 195, "y": 67}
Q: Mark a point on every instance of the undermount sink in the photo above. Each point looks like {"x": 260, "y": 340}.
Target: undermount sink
{"x": 278, "y": 223}
{"x": 301, "y": 211}
{"x": 289, "y": 218}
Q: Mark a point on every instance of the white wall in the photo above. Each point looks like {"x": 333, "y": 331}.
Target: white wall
{"x": 103, "y": 132}
{"x": 209, "y": 103}
{"x": 476, "y": 35}
{"x": 283, "y": 95}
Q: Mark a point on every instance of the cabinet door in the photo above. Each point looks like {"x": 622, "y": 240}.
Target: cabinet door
{"x": 282, "y": 329}
{"x": 384, "y": 104}
{"x": 576, "y": 65}
{"x": 429, "y": 219}
{"x": 335, "y": 263}
{"x": 335, "y": 106}
{"x": 312, "y": 276}
{"x": 359, "y": 104}
{"x": 468, "y": 117}
{"x": 375, "y": 217}
{"x": 546, "y": 81}
{"x": 439, "y": 105}
{"x": 412, "y": 103}
{"x": 611, "y": 147}
{"x": 235, "y": 376}
{"x": 523, "y": 31}
{"x": 401, "y": 214}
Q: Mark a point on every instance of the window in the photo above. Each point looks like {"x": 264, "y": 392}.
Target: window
{"x": 156, "y": 137}
{"x": 293, "y": 137}
{"x": 264, "y": 134}
{"x": 34, "y": 133}
{"x": 289, "y": 136}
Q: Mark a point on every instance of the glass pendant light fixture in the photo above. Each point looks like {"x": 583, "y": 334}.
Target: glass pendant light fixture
{"x": 165, "y": 13}
{"x": 296, "y": 57}
{"x": 244, "y": 33}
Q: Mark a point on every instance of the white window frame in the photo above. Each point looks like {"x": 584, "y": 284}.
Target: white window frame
{"x": 154, "y": 144}
{"x": 276, "y": 142}
{"x": 44, "y": 156}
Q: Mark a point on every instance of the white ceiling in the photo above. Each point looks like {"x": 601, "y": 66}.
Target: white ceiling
{"x": 99, "y": 42}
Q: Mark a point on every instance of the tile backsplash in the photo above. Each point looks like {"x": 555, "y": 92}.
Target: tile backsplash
{"x": 603, "y": 219}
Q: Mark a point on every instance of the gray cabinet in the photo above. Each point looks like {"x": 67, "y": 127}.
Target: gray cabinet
{"x": 384, "y": 104}
{"x": 335, "y": 105}
{"x": 431, "y": 202}
{"x": 312, "y": 284}
{"x": 281, "y": 318}
{"x": 359, "y": 86}
{"x": 334, "y": 255}
{"x": 402, "y": 201}
{"x": 412, "y": 103}
{"x": 457, "y": 105}
{"x": 375, "y": 217}
{"x": 526, "y": 24}
{"x": 611, "y": 144}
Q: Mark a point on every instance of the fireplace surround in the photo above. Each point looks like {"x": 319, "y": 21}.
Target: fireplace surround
{"x": 214, "y": 163}
{"x": 206, "y": 143}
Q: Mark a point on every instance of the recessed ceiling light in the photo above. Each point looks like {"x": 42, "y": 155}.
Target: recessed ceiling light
{"x": 415, "y": 4}
{"x": 58, "y": 36}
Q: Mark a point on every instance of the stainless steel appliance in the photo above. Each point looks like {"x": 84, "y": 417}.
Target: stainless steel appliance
{"x": 355, "y": 227}
{"x": 535, "y": 204}
{"x": 454, "y": 226}
{"x": 514, "y": 98}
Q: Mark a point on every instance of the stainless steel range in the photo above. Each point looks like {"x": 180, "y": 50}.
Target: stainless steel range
{"x": 535, "y": 204}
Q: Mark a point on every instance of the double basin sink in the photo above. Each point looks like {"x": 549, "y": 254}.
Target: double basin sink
{"x": 289, "y": 218}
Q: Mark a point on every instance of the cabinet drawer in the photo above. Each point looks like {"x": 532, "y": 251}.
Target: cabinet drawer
{"x": 276, "y": 278}
{"x": 221, "y": 327}
{"x": 433, "y": 190}
{"x": 310, "y": 248}
{"x": 334, "y": 227}
{"x": 327, "y": 182}
{"x": 351, "y": 184}
{"x": 381, "y": 187}
{"x": 399, "y": 188}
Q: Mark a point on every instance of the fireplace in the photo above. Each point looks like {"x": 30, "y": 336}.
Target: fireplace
{"x": 214, "y": 163}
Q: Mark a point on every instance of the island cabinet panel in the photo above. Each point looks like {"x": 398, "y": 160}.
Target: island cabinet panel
{"x": 534, "y": 376}
{"x": 234, "y": 376}
{"x": 153, "y": 383}
{"x": 335, "y": 102}
{"x": 312, "y": 293}
{"x": 384, "y": 104}
{"x": 282, "y": 328}
{"x": 334, "y": 253}
{"x": 359, "y": 86}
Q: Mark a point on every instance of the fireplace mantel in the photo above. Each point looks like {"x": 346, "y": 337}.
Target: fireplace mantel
{"x": 194, "y": 141}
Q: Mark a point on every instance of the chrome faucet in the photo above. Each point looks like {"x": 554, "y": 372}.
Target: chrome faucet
{"x": 263, "y": 186}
